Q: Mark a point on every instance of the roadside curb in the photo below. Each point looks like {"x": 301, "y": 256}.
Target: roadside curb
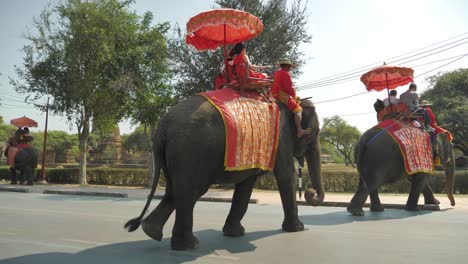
{"x": 387, "y": 206}
{"x": 102, "y": 194}
{"x": 202, "y": 199}
{"x": 213, "y": 199}
{"x": 13, "y": 189}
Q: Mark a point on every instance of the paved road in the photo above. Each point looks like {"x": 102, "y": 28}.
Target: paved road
{"x": 43, "y": 228}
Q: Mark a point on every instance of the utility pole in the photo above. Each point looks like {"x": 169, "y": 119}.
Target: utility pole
{"x": 43, "y": 174}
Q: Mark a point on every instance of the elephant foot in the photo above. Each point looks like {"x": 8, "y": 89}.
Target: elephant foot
{"x": 432, "y": 201}
{"x": 152, "y": 230}
{"x": 310, "y": 195}
{"x": 233, "y": 230}
{"x": 377, "y": 208}
{"x": 184, "y": 243}
{"x": 355, "y": 211}
{"x": 413, "y": 208}
{"x": 293, "y": 225}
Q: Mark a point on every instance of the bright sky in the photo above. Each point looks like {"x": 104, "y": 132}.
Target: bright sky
{"x": 349, "y": 37}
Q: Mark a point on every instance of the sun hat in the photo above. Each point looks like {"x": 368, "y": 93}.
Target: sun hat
{"x": 425, "y": 103}
{"x": 285, "y": 61}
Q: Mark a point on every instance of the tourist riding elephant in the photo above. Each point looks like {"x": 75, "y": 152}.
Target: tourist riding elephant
{"x": 380, "y": 161}
{"x": 26, "y": 163}
{"x": 189, "y": 146}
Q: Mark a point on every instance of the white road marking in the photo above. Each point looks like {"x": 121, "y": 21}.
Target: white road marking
{"x": 7, "y": 233}
{"x": 63, "y": 212}
{"x": 84, "y": 241}
{"x": 40, "y": 244}
{"x": 202, "y": 255}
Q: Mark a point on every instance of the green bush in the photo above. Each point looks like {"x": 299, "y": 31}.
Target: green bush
{"x": 333, "y": 180}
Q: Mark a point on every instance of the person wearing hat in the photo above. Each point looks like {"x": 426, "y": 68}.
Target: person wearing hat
{"x": 283, "y": 91}
{"x": 410, "y": 97}
{"x": 434, "y": 127}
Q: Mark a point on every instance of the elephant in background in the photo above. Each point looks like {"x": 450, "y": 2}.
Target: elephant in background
{"x": 26, "y": 163}
{"x": 381, "y": 162}
{"x": 189, "y": 147}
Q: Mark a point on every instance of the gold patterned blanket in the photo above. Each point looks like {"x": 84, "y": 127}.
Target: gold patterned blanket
{"x": 252, "y": 129}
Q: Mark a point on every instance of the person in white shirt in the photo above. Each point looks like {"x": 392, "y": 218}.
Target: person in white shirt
{"x": 392, "y": 99}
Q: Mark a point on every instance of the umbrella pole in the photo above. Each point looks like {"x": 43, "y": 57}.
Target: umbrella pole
{"x": 388, "y": 93}
{"x": 225, "y": 58}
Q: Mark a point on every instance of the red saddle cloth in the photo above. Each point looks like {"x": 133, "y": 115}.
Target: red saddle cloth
{"x": 252, "y": 129}
{"x": 414, "y": 145}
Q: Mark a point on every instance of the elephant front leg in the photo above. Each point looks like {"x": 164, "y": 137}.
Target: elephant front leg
{"x": 291, "y": 222}
{"x": 376, "y": 205}
{"x": 417, "y": 185}
{"x": 429, "y": 196}
{"x": 360, "y": 197}
{"x": 240, "y": 203}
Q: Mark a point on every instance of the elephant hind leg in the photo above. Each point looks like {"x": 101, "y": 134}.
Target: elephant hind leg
{"x": 376, "y": 205}
{"x": 240, "y": 202}
{"x": 359, "y": 198}
{"x": 418, "y": 183}
{"x": 153, "y": 224}
{"x": 182, "y": 232}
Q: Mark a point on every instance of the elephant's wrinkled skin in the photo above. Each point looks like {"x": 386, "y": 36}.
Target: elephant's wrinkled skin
{"x": 380, "y": 162}
{"x": 26, "y": 163}
{"x": 189, "y": 147}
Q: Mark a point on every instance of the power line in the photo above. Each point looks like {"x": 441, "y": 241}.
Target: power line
{"x": 341, "y": 98}
{"x": 11, "y": 98}
{"x": 346, "y": 97}
{"x": 424, "y": 64}
{"x": 377, "y": 63}
{"x": 358, "y": 71}
{"x": 15, "y": 106}
{"x": 442, "y": 66}
{"x": 351, "y": 78}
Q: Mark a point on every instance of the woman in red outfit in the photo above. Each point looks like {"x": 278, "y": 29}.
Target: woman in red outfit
{"x": 239, "y": 56}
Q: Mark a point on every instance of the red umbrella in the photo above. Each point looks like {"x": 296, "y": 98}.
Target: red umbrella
{"x": 387, "y": 77}
{"x": 23, "y": 122}
{"x": 212, "y": 29}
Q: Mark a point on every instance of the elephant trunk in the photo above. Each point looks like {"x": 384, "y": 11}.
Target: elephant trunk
{"x": 444, "y": 149}
{"x": 313, "y": 159}
{"x": 450, "y": 178}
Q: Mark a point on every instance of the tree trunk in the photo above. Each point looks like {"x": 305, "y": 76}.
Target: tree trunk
{"x": 150, "y": 169}
{"x": 83, "y": 134}
{"x": 83, "y": 147}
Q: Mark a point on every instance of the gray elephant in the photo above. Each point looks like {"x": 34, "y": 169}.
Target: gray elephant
{"x": 26, "y": 163}
{"x": 379, "y": 161}
{"x": 189, "y": 147}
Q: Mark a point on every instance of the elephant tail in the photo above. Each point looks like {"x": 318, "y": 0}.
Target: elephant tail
{"x": 158, "y": 158}
{"x": 359, "y": 152}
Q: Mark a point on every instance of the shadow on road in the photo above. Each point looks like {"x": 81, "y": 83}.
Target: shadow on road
{"x": 343, "y": 217}
{"x": 212, "y": 244}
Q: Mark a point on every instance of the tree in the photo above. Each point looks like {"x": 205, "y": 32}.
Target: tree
{"x": 284, "y": 31}
{"x": 136, "y": 141}
{"x": 342, "y": 136}
{"x": 84, "y": 59}
{"x": 448, "y": 93}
